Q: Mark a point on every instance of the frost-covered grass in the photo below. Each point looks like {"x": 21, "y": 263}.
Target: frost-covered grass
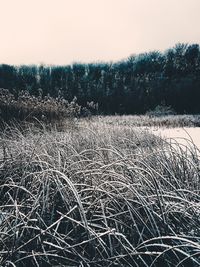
{"x": 149, "y": 121}
{"x": 97, "y": 194}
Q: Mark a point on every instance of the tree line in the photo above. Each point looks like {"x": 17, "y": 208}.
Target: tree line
{"x": 131, "y": 86}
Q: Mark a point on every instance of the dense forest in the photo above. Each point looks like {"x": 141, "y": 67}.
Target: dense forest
{"x": 131, "y": 86}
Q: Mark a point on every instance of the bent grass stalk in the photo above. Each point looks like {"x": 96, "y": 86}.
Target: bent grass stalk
{"x": 117, "y": 197}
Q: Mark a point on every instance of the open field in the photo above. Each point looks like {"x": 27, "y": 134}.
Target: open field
{"x": 99, "y": 193}
{"x": 168, "y": 121}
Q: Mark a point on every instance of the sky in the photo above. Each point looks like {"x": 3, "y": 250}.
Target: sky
{"x": 65, "y": 31}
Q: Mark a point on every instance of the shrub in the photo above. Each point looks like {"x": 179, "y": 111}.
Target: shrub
{"x": 161, "y": 110}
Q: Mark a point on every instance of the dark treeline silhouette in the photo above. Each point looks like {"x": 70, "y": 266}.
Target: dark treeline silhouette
{"x": 135, "y": 85}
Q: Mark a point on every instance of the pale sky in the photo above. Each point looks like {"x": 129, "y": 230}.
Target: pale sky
{"x": 66, "y": 31}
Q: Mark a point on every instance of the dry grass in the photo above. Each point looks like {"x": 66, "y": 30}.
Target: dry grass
{"x": 97, "y": 195}
{"x": 26, "y": 107}
{"x": 152, "y": 121}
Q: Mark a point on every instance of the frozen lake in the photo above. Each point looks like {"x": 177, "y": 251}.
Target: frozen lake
{"x": 184, "y": 136}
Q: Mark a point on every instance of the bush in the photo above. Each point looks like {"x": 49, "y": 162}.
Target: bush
{"x": 161, "y": 110}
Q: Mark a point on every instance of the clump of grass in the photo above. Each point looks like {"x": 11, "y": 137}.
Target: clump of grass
{"x": 96, "y": 196}
{"x": 29, "y": 108}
